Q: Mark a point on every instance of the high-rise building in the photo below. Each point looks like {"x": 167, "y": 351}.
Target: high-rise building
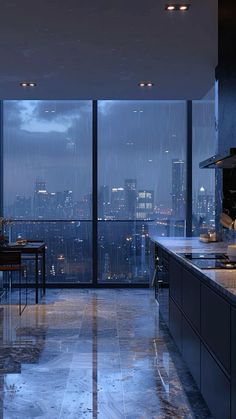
{"x": 118, "y": 202}
{"x": 41, "y": 199}
{"x": 145, "y": 205}
{"x": 178, "y": 189}
{"x": 130, "y": 197}
{"x": 204, "y": 206}
{"x": 103, "y": 201}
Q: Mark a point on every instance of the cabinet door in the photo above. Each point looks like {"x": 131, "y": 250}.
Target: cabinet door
{"x": 215, "y": 387}
{"x": 175, "y": 278}
{"x": 175, "y": 324}
{"x": 233, "y": 362}
{"x": 215, "y": 325}
{"x": 191, "y": 297}
{"x": 191, "y": 349}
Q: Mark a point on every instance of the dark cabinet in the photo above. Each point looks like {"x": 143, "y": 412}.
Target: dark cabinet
{"x": 175, "y": 324}
{"x": 215, "y": 325}
{"x": 191, "y": 297}
{"x": 175, "y": 275}
{"x": 215, "y": 386}
{"x": 233, "y": 362}
{"x": 203, "y": 325}
{"x": 191, "y": 348}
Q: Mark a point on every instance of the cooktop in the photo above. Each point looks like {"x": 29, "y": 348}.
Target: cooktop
{"x": 209, "y": 260}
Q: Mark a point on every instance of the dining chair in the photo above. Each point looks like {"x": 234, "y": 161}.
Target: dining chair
{"x": 11, "y": 262}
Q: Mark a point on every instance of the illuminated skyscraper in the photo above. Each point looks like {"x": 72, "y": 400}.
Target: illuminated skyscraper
{"x": 178, "y": 189}
{"x": 145, "y": 205}
{"x": 103, "y": 201}
{"x": 130, "y": 197}
{"x": 118, "y": 202}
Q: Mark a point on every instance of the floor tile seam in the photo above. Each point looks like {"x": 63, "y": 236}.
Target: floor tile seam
{"x": 122, "y": 383}
{"x": 83, "y": 317}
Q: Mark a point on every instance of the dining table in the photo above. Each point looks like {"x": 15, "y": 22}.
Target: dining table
{"x": 31, "y": 250}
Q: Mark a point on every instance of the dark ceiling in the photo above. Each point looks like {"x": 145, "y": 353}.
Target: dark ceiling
{"x": 101, "y": 49}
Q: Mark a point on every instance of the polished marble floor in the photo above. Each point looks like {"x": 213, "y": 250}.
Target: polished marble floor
{"x": 92, "y": 354}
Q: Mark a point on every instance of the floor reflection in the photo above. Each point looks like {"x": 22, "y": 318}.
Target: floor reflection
{"x": 92, "y": 354}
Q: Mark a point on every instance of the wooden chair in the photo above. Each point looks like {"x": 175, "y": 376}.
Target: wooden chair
{"x": 11, "y": 262}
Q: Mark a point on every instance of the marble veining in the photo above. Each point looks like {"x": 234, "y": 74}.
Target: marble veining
{"x": 93, "y": 354}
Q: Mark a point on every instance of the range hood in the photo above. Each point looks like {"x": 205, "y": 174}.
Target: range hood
{"x": 225, "y": 160}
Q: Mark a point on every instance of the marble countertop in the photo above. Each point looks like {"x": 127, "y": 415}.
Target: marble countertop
{"x": 224, "y": 280}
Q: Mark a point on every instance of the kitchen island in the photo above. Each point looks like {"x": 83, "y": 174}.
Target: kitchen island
{"x": 202, "y": 319}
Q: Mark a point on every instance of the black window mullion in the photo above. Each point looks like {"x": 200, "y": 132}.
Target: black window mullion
{"x": 1, "y": 158}
{"x": 189, "y": 188}
{"x": 95, "y": 195}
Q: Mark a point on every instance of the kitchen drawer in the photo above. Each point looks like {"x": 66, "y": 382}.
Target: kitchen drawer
{"x": 191, "y": 286}
{"x": 215, "y": 325}
{"x": 175, "y": 323}
{"x": 233, "y": 362}
{"x": 175, "y": 278}
{"x": 215, "y": 387}
{"x": 191, "y": 349}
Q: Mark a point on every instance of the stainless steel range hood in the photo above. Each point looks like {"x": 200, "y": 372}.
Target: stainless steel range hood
{"x": 226, "y": 160}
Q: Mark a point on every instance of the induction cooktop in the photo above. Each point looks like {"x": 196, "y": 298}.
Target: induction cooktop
{"x": 209, "y": 260}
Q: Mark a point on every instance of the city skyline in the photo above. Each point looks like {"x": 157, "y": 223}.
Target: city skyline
{"x": 52, "y": 140}
{"x": 141, "y": 175}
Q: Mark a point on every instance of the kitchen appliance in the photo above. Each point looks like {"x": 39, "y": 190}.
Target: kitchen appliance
{"x": 209, "y": 260}
{"x": 225, "y": 160}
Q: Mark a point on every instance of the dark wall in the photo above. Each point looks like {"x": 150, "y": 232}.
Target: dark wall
{"x": 226, "y": 74}
{"x": 229, "y": 192}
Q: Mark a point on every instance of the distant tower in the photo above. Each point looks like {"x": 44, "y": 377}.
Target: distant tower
{"x": 130, "y": 197}
{"x": 145, "y": 204}
{"x": 178, "y": 189}
{"x": 40, "y": 199}
{"x": 103, "y": 201}
{"x": 118, "y": 202}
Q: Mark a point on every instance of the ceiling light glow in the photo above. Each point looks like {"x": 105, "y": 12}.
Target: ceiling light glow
{"x": 27, "y": 84}
{"x": 145, "y": 84}
{"x": 177, "y": 7}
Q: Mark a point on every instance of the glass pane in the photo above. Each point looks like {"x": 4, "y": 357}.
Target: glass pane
{"x": 123, "y": 251}
{"x": 47, "y": 159}
{"x": 204, "y": 146}
{"x": 141, "y": 176}
{"x": 68, "y": 249}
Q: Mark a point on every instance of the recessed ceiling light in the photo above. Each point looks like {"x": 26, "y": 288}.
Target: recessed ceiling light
{"x": 28, "y": 84}
{"x": 177, "y": 7}
{"x": 146, "y": 84}
{"x": 183, "y": 8}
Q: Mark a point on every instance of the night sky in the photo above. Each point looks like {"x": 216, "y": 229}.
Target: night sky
{"x": 52, "y": 141}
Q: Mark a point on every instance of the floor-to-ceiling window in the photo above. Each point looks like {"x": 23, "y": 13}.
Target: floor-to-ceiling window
{"x": 48, "y": 181}
{"x": 140, "y": 182}
{"x": 204, "y": 145}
